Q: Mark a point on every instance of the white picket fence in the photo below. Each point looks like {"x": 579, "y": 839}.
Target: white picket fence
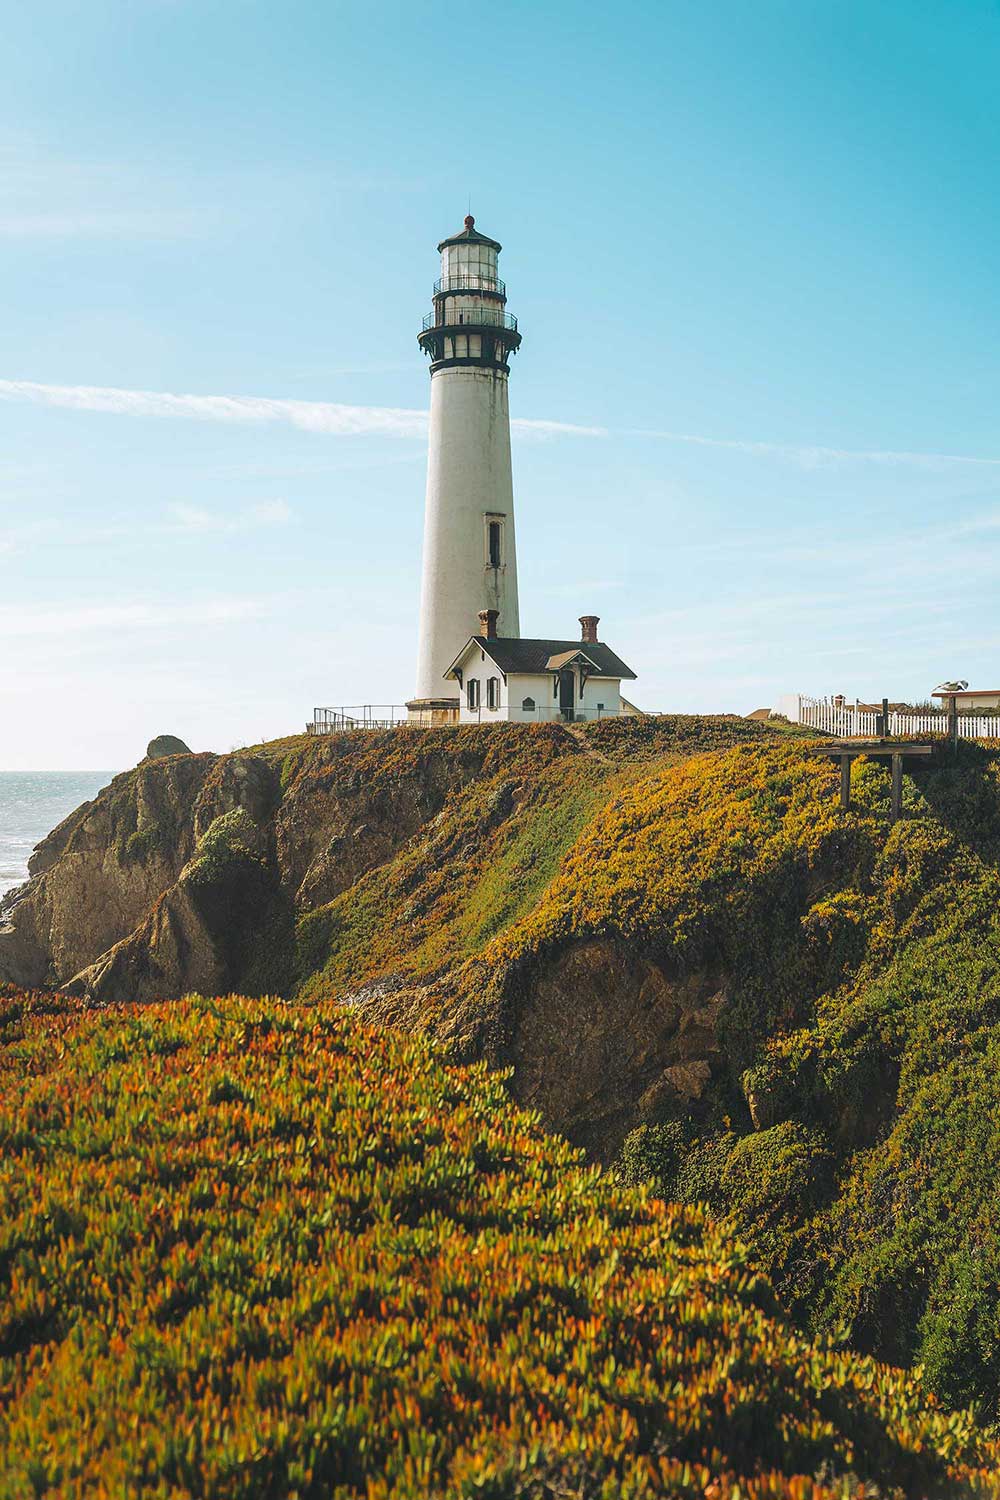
{"x": 850, "y": 721}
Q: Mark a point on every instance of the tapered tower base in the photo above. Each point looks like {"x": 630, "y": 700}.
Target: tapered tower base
{"x": 432, "y": 713}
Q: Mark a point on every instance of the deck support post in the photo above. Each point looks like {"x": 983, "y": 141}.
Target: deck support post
{"x": 897, "y": 788}
{"x": 895, "y": 751}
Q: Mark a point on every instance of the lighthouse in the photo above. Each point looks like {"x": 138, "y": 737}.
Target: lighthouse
{"x": 469, "y": 556}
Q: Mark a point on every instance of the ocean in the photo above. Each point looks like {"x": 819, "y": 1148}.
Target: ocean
{"x": 31, "y": 804}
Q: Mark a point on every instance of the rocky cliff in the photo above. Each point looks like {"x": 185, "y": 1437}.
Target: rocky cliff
{"x": 667, "y": 930}
{"x": 399, "y": 871}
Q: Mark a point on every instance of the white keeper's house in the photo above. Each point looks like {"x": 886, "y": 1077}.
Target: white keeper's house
{"x": 473, "y": 664}
{"x": 517, "y": 677}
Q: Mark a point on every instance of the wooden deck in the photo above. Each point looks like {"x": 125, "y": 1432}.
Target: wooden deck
{"x": 895, "y": 751}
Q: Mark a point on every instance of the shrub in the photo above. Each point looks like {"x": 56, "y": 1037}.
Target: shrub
{"x": 651, "y": 1154}
{"x": 230, "y": 841}
{"x": 287, "y": 1256}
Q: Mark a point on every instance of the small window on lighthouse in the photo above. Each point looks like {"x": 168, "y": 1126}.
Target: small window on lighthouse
{"x": 494, "y": 542}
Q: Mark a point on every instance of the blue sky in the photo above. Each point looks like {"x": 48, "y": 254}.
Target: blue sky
{"x": 753, "y": 253}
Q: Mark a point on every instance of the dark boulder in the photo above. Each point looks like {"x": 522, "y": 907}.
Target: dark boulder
{"x": 166, "y": 744}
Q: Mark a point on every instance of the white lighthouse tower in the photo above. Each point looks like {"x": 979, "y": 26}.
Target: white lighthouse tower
{"x": 469, "y": 555}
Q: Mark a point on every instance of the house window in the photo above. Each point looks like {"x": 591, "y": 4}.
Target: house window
{"x": 493, "y": 692}
{"x": 528, "y": 705}
{"x": 494, "y": 543}
{"x": 472, "y": 693}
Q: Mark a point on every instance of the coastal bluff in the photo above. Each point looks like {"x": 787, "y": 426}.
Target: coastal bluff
{"x": 407, "y": 872}
{"x": 689, "y": 959}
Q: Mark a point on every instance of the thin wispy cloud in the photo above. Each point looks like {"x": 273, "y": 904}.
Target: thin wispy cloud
{"x": 194, "y": 518}
{"x": 340, "y": 420}
{"x": 535, "y": 427}
{"x": 313, "y": 416}
{"x": 813, "y": 456}
{"x": 26, "y": 621}
{"x": 110, "y": 223}
{"x": 179, "y": 520}
{"x": 326, "y": 417}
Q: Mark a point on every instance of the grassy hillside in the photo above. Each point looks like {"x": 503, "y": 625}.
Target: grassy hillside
{"x": 851, "y": 1123}
{"x": 251, "y": 1249}
{"x": 862, "y": 1162}
{"x": 666, "y": 926}
{"x": 485, "y": 861}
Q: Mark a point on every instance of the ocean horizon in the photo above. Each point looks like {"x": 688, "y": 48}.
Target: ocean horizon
{"x": 32, "y": 803}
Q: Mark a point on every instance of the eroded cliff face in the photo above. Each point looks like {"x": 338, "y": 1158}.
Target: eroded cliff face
{"x": 391, "y": 870}
{"x": 602, "y": 1037}
{"x": 115, "y": 908}
{"x": 96, "y": 876}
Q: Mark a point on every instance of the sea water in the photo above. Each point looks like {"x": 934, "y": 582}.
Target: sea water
{"x": 32, "y": 803}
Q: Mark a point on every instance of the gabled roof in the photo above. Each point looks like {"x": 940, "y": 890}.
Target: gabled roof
{"x": 565, "y": 657}
{"x": 524, "y": 655}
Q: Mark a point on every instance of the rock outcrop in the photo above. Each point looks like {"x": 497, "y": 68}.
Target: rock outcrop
{"x": 603, "y": 1034}
{"x": 165, "y": 744}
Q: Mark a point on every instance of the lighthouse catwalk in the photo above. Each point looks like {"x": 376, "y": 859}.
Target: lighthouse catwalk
{"x": 469, "y": 560}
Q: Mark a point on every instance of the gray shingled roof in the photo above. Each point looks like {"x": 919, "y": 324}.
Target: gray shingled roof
{"x": 534, "y": 656}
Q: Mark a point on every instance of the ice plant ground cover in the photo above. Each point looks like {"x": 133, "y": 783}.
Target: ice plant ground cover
{"x": 253, "y": 1249}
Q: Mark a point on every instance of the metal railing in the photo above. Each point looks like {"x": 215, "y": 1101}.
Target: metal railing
{"x": 359, "y": 716}
{"x": 469, "y": 281}
{"x": 398, "y": 716}
{"x": 471, "y": 318}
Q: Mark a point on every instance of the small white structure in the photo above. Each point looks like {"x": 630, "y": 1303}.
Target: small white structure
{"x": 968, "y": 699}
{"x": 469, "y": 559}
{"x": 535, "y": 681}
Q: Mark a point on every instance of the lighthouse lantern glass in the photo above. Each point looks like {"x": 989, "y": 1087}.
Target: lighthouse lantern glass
{"x": 470, "y": 265}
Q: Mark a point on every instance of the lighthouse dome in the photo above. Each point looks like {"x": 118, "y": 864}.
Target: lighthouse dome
{"x": 469, "y": 260}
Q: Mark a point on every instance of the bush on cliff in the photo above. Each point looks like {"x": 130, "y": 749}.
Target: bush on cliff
{"x": 869, "y": 1187}
{"x": 250, "y": 1250}
{"x": 230, "y": 843}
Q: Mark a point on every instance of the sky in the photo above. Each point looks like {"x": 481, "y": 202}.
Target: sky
{"x": 753, "y": 254}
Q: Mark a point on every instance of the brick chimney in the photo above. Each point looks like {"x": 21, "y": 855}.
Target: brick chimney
{"x": 488, "y": 623}
{"x": 588, "y": 627}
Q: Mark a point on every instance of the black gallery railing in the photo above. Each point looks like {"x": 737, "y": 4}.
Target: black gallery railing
{"x": 470, "y": 317}
{"x": 469, "y": 281}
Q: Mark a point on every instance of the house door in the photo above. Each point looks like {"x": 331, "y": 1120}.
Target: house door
{"x": 567, "y": 692}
